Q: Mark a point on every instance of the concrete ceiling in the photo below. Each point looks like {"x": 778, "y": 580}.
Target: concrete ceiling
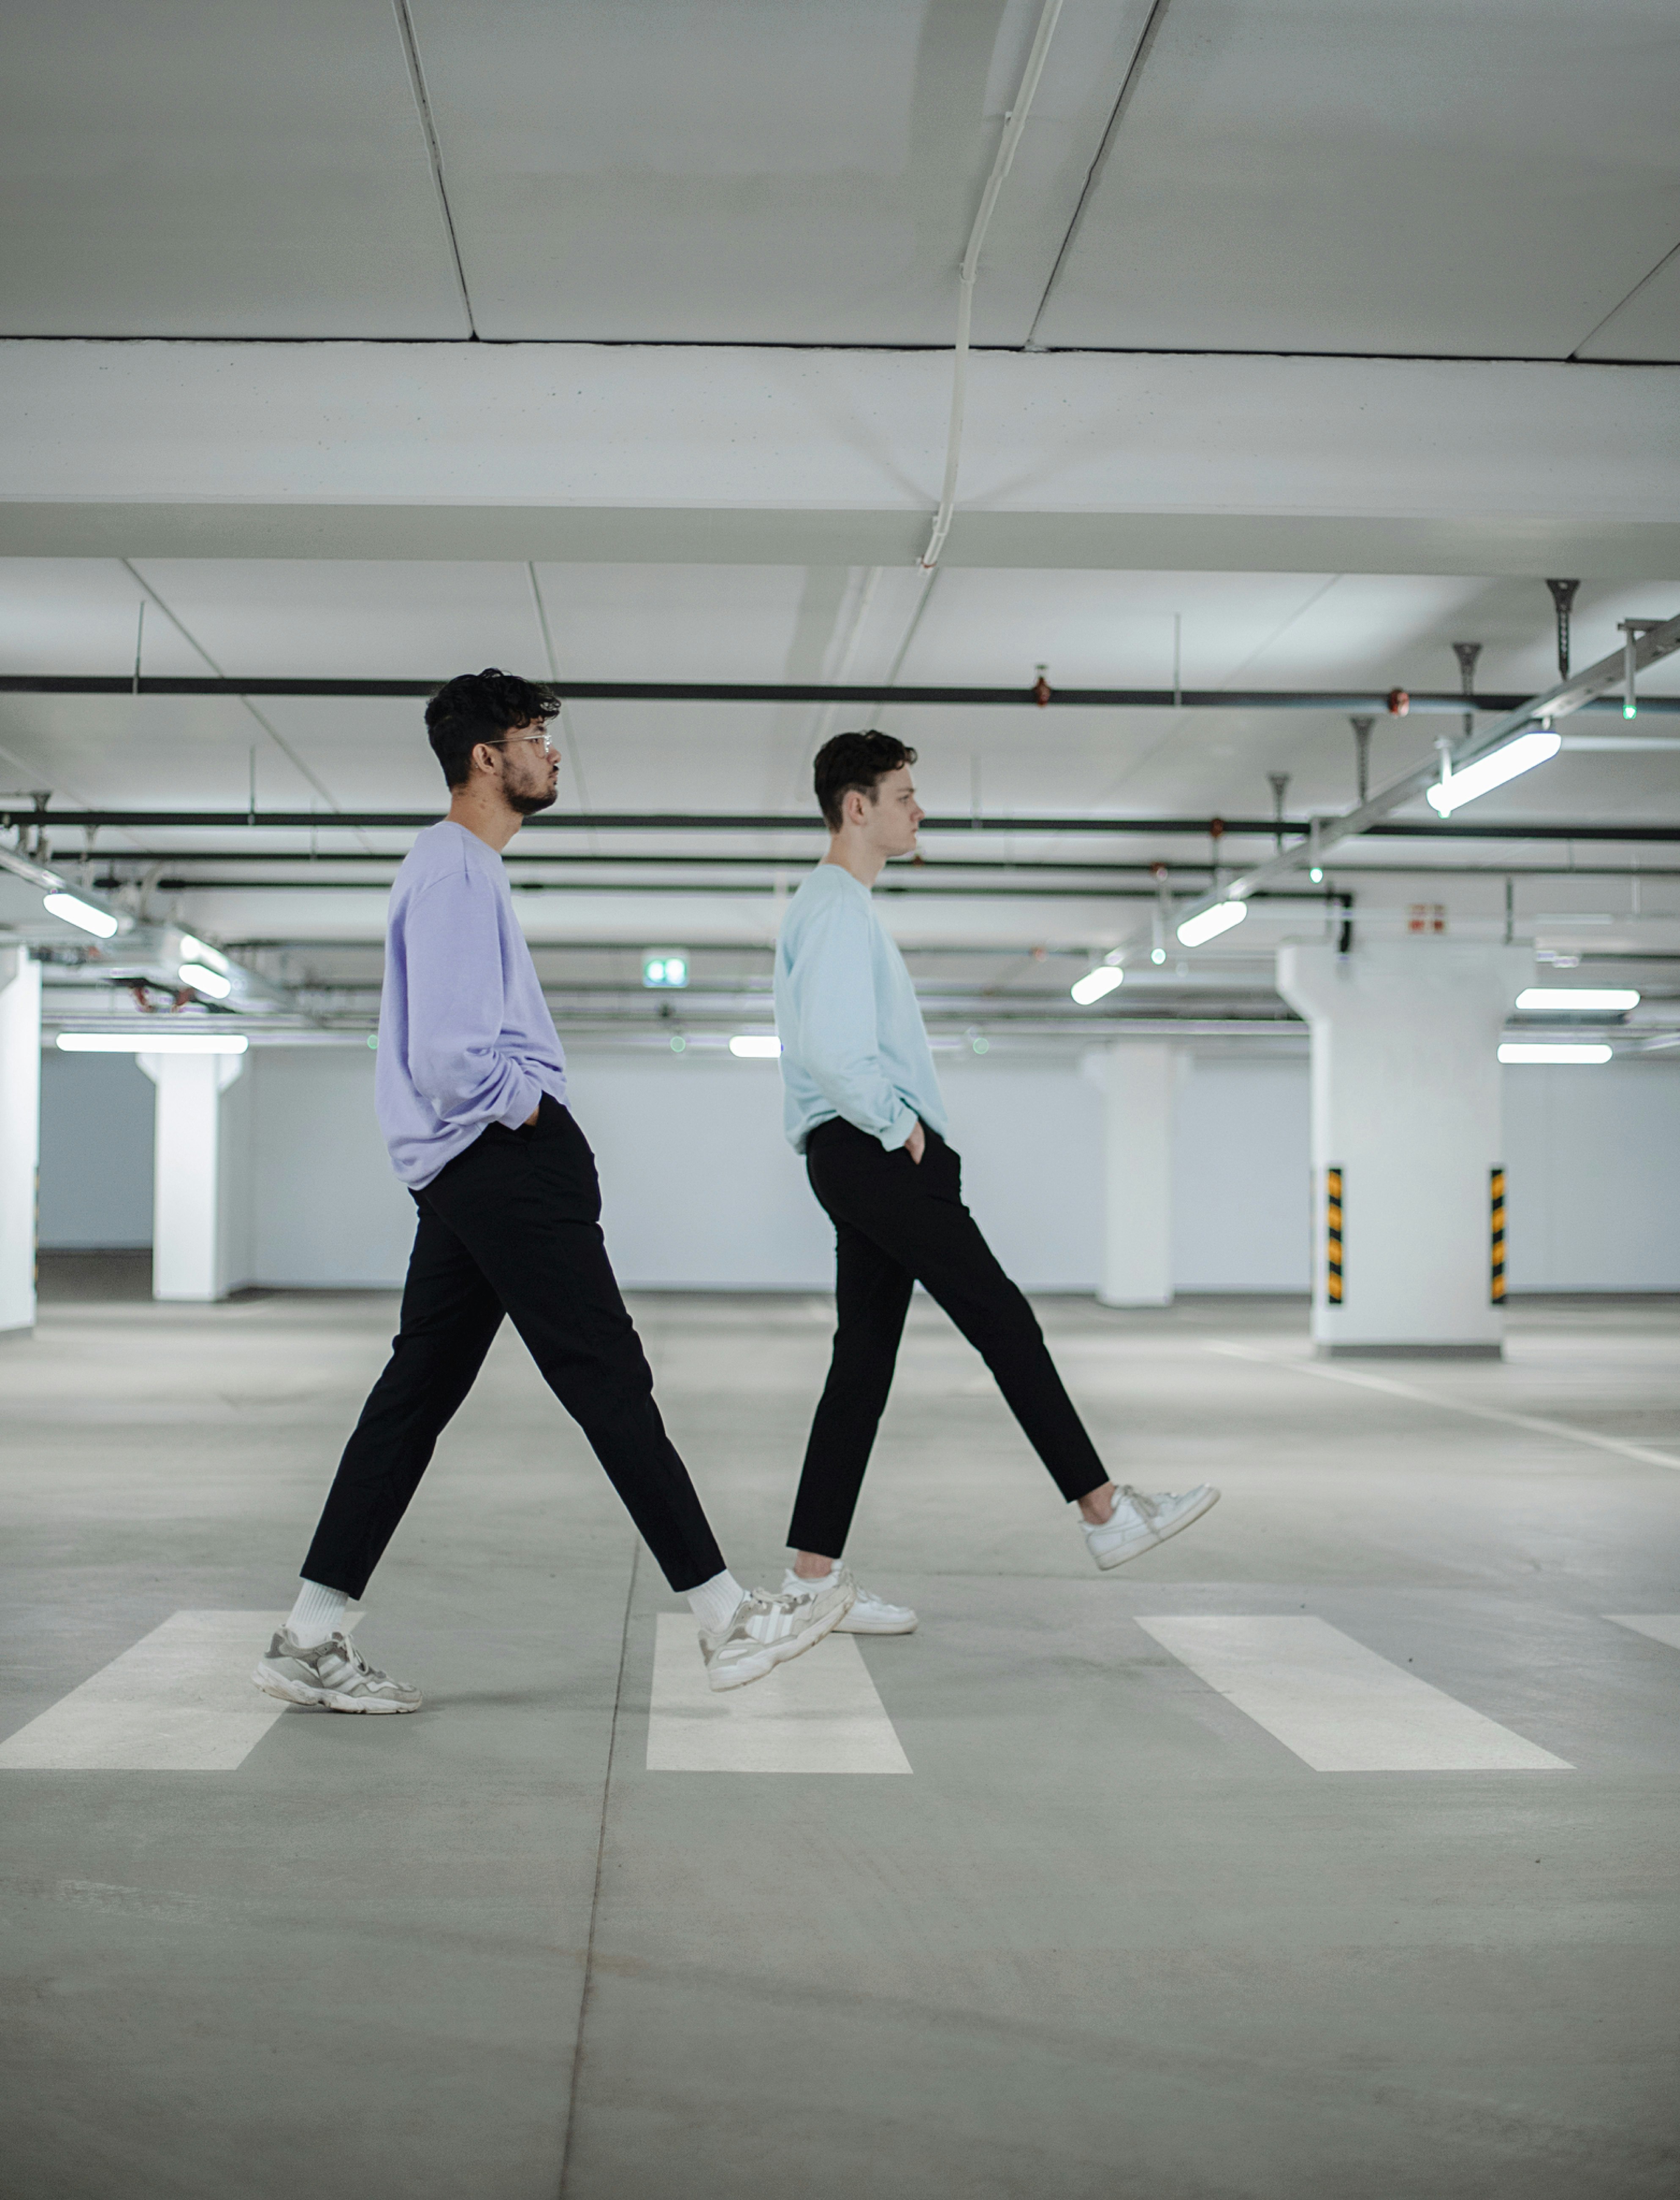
{"x": 1325, "y": 331}
{"x": 1420, "y": 179}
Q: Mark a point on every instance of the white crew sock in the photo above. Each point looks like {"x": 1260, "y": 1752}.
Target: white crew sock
{"x": 713, "y": 1603}
{"x": 318, "y": 1614}
{"x": 795, "y": 1584}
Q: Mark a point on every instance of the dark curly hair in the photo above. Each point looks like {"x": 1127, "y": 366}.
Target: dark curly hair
{"x": 480, "y": 706}
{"x": 859, "y": 760}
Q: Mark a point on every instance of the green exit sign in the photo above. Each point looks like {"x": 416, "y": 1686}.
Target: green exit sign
{"x": 664, "y": 968}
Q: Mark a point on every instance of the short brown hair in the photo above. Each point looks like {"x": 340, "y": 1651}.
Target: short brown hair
{"x": 855, "y": 760}
{"x": 480, "y": 706}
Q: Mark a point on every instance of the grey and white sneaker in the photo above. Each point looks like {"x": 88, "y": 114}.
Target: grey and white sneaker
{"x": 869, "y": 1614}
{"x": 768, "y": 1630}
{"x": 333, "y": 1675}
{"x": 1140, "y": 1522}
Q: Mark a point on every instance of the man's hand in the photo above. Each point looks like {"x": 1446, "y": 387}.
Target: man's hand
{"x": 533, "y": 1115}
{"x": 916, "y": 1145}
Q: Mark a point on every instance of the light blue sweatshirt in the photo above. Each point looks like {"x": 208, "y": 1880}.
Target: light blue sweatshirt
{"x": 466, "y": 1038}
{"x": 852, "y": 1040}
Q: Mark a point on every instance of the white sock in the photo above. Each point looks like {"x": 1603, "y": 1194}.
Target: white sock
{"x": 318, "y": 1614}
{"x": 713, "y": 1603}
{"x": 795, "y": 1584}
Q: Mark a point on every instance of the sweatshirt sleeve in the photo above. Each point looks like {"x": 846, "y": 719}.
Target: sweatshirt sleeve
{"x": 833, "y": 987}
{"x": 453, "y": 976}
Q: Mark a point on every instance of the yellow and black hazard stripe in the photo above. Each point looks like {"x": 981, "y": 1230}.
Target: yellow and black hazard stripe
{"x": 1332, "y": 1236}
{"x": 1496, "y": 1237}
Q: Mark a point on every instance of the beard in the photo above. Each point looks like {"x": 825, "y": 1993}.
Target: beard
{"x": 528, "y": 805}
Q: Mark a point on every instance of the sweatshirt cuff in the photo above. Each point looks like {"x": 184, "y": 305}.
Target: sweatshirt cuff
{"x": 517, "y": 1109}
{"x": 903, "y": 1124}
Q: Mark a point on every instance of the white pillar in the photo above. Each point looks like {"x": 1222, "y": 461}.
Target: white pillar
{"x": 1138, "y": 1082}
{"x": 200, "y": 1192}
{"x": 19, "y": 1133}
{"x": 1406, "y": 1106}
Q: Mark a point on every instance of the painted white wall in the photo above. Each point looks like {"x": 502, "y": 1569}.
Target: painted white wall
{"x": 1592, "y": 1176}
{"x": 96, "y": 1131}
{"x": 1241, "y": 1180}
{"x": 19, "y": 1133}
{"x": 325, "y": 1208}
{"x": 702, "y": 1191}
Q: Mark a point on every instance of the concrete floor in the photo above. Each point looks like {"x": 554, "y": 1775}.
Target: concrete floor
{"x": 1111, "y": 1938}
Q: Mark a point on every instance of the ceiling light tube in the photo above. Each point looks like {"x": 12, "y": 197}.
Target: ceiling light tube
{"x": 203, "y": 980}
{"x": 755, "y": 1046}
{"x": 1210, "y": 922}
{"x": 1551, "y": 1000}
{"x": 166, "y": 1042}
{"x": 196, "y": 951}
{"x": 1454, "y": 788}
{"x": 69, "y": 910}
{"x": 1095, "y": 984}
{"x": 1537, "y": 1051}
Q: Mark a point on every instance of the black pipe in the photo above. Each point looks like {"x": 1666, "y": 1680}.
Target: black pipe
{"x": 411, "y": 821}
{"x": 759, "y": 691}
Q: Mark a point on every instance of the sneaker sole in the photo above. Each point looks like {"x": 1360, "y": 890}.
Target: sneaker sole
{"x": 850, "y": 1625}
{"x": 1110, "y": 1559}
{"x": 293, "y": 1692}
{"x": 778, "y": 1653}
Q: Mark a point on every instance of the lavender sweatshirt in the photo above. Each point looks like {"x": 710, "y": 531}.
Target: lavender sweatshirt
{"x": 466, "y": 1038}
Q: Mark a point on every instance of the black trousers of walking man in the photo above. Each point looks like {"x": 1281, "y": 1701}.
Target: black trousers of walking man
{"x": 898, "y": 1223}
{"x": 512, "y": 1225}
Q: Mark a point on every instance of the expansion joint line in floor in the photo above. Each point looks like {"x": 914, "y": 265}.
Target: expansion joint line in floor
{"x": 600, "y": 1866}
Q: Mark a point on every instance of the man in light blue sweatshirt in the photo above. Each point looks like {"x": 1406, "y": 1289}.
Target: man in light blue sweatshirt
{"x": 864, "y": 1108}
{"x": 470, "y": 1090}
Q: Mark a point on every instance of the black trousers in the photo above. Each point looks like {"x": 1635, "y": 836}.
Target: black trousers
{"x": 898, "y": 1223}
{"x": 512, "y": 1225}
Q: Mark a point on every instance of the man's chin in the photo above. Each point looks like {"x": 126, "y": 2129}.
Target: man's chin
{"x": 528, "y": 805}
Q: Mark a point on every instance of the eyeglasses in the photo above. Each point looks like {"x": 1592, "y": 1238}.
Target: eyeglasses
{"x": 518, "y": 741}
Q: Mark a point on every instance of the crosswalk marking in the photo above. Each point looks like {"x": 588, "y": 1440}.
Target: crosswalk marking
{"x": 1660, "y": 1626}
{"x": 817, "y": 1713}
{"x": 181, "y": 1700}
{"x": 1338, "y": 1705}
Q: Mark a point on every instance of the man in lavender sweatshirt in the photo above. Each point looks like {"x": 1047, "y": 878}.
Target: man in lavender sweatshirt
{"x": 471, "y": 1090}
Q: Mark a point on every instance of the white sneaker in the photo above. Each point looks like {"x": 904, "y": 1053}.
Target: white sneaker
{"x": 331, "y": 1676}
{"x": 1140, "y": 1522}
{"x": 869, "y": 1614}
{"x": 766, "y": 1631}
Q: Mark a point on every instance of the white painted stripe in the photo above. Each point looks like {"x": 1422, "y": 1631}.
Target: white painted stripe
{"x": 1660, "y": 1626}
{"x": 1338, "y": 1705}
{"x": 817, "y": 1713}
{"x": 181, "y": 1700}
{"x": 1534, "y": 1421}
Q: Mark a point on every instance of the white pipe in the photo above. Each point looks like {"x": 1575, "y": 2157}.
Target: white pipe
{"x": 1014, "y": 123}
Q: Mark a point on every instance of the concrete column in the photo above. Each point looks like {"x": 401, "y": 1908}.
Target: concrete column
{"x": 1138, "y": 1082}
{"x": 20, "y": 1134}
{"x": 201, "y": 1190}
{"x": 1406, "y": 1105}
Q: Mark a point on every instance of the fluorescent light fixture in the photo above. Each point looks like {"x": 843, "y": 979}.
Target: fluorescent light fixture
{"x": 755, "y": 1046}
{"x": 1096, "y": 983}
{"x": 72, "y": 911}
{"x": 167, "y": 1042}
{"x": 1454, "y": 788}
{"x": 205, "y": 980}
{"x": 1517, "y": 1050}
{"x": 1536, "y": 1000}
{"x": 196, "y": 951}
{"x": 1211, "y": 922}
